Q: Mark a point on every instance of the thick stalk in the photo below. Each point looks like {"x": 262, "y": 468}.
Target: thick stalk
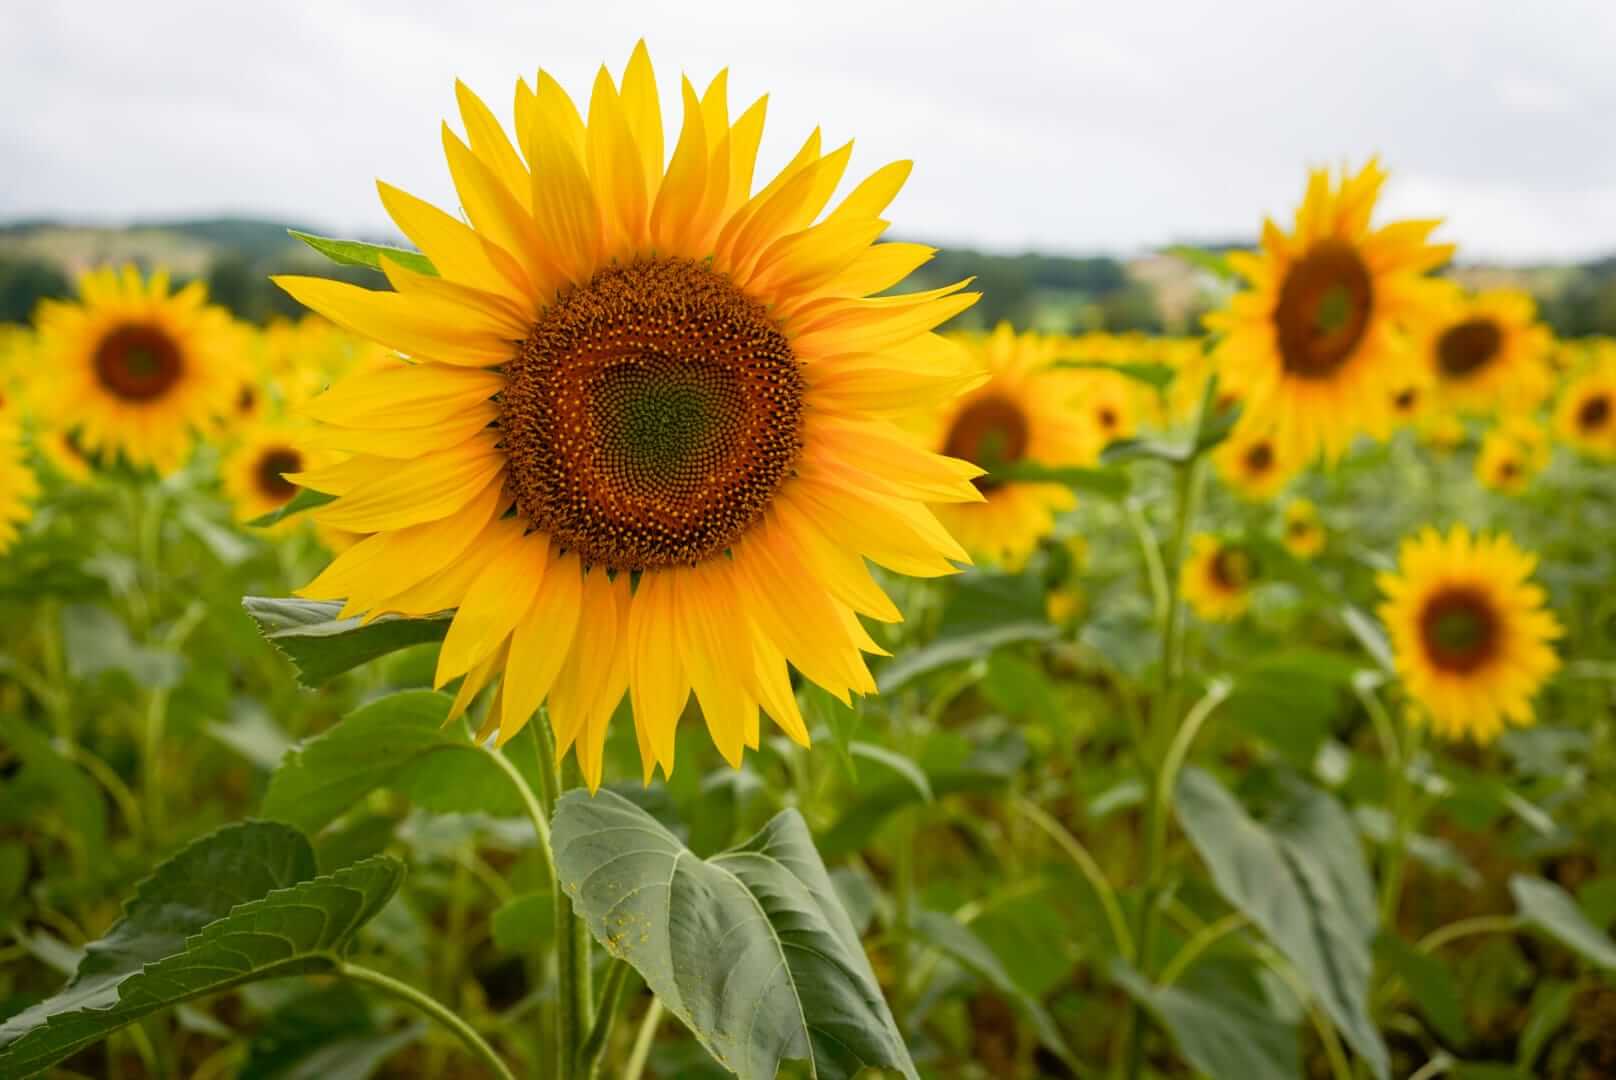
{"x": 573, "y": 1007}
{"x": 611, "y": 995}
{"x": 436, "y": 1010}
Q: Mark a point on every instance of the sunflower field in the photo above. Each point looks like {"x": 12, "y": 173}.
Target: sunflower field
{"x": 639, "y": 630}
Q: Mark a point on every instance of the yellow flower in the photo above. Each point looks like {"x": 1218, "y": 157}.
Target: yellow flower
{"x": 1303, "y": 534}
{"x": 1254, "y": 467}
{"x": 1065, "y": 605}
{"x": 18, "y": 486}
{"x": 652, "y": 426}
{"x": 1217, "y": 578}
{"x": 1442, "y": 431}
{"x": 1410, "y": 401}
{"x": 1486, "y": 353}
{"x": 1586, "y": 415}
{"x": 66, "y": 454}
{"x": 1511, "y": 454}
{"x": 1470, "y": 633}
{"x": 137, "y": 371}
{"x": 256, "y": 469}
{"x": 1314, "y": 348}
{"x": 1026, "y": 411}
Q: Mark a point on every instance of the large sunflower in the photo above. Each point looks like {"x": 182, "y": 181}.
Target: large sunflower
{"x": 1486, "y": 353}
{"x": 1586, "y": 415}
{"x": 18, "y": 485}
{"x": 648, "y": 436}
{"x": 1217, "y": 578}
{"x": 137, "y": 370}
{"x": 1314, "y": 347}
{"x": 1470, "y": 633}
{"x": 1024, "y": 412}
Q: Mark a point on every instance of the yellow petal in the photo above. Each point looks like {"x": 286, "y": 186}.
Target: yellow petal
{"x": 426, "y": 489}
{"x": 498, "y": 598}
{"x": 408, "y": 396}
{"x": 658, "y": 685}
{"x": 417, "y": 326}
{"x": 541, "y": 642}
{"x": 490, "y": 144}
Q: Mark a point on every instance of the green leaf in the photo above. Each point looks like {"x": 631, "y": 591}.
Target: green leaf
{"x": 305, "y": 499}
{"x": 1227, "y": 1036}
{"x": 239, "y": 905}
{"x": 359, "y": 253}
{"x": 895, "y": 762}
{"x": 1157, "y": 376}
{"x": 525, "y": 923}
{"x": 47, "y": 779}
{"x": 1433, "y": 988}
{"x": 96, "y": 641}
{"x": 960, "y": 944}
{"x": 1302, "y": 880}
{"x": 750, "y": 948}
{"x": 1107, "y": 483}
{"x": 1370, "y": 636}
{"x": 325, "y": 1034}
{"x": 399, "y": 742}
{"x": 322, "y": 646}
{"x": 1213, "y": 262}
{"x": 957, "y": 649}
{"x": 1550, "y": 1008}
{"x": 1547, "y": 907}
{"x": 1289, "y": 698}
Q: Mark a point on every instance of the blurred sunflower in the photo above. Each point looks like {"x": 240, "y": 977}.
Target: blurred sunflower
{"x": 62, "y": 448}
{"x": 135, "y": 369}
{"x": 1314, "y": 348}
{"x": 1063, "y": 606}
{"x": 1024, "y": 412}
{"x": 18, "y": 485}
{"x": 1470, "y": 633}
{"x": 1301, "y": 532}
{"x": 650, "y": 432}
{"x": 1217, "y": 578}
{"x": 255, "y": 470}
{"x": 1253, "y": 466}
{"x": 1511, "y": 454}
{"x": 1486, "y": 353}
{"x": 1409, "y": 399}
{"x": 1106, "y": 402}
{"x": 1586, "y": 415}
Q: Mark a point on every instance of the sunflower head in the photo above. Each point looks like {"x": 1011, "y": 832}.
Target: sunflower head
{"x": 1027, "y": 410}
{"x": 1470, "y": 633}
{"x": 1313, "y": 345}
{"x": 1301, "y": 531}
{"x": 1218, "y": 577}
{"x": 1486, "y": 353}
{"x": 258, "y": 472}
{"x": 650, "y": 422}
{"x": 1253, "y": 465}
{"x": 137, "y": 369}
{"x": 1511, "y": 454}
{"x": 1585, "y": 417}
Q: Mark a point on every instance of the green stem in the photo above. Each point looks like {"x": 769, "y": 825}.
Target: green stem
{"x": 1481, "y": 924}
{"x": 573, "y": 1004}
{"x": 611, "y": 994}
{"x": 436, "y": 1010}
{"x": 1394, "y": 856}
{"x": 642, "y": 1041}
{"x": 1090, "y": 869}
{"x": 1204, "y": 939}
{"x": 1173, "y": 763}
{"x": 1150, "y": 550}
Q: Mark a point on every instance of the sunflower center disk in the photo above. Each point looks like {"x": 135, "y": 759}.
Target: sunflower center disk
{"x": 1464, "y": 349}
{"x": 271, "y": 464}
{"x": 650, "y": 416}
{"x": 1459, "y": 629}
{"x": 991, "y": 432}
{"x": 1260, "y": 457}
{"x": 1323, "y": 310}
{"x": 1594, "y": 413}
{"x": 137, "y": 362}
{"x": 1233, "y": 568}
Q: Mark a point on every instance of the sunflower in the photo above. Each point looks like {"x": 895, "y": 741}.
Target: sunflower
{"x": 255, "y": 471}
{"x": 1410, "y": 400}
{"x": 651, "y": 426}
{"x": 1025, "y": 411}
{"x": 1106, "y": 401}
{"x": 18, "y": 485}
{"x": 1470, "y": 634}
{"x": 1586, "y": 415}
{"x": 137, "y": 370}
{"x": 1253, "y": 465}
{"x": 64, "y": 450}
{"x": 1511, "y": 454}
{"x": 1486, "y": 353}
{"x": 1302, "y": 533}
{"x": 1314, "y": 347}
{"x": 1217, "y": 578}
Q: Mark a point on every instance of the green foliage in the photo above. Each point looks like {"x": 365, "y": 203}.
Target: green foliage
{"x": 750, "y": 948}
{"x": 239, "y": 905}
{"x": 359, "y": 253}
{"x": 323, "y": 646}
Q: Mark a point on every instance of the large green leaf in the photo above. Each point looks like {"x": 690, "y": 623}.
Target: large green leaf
{"x": 238, "y": 905}
{"x": 1549, "y": 908}
{"x": 1226, "y": 1035}
{"x": 400, "y": 742}
{"x": 750, "y": 948}
{"x": 323, "y": 646}
{"x": 960, "y": 943}
{"x": 360, "y": 253}
{"x": 1301, "y": 878}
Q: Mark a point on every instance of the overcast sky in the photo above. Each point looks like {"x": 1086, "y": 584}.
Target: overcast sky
{"x": 1062, "y": 127}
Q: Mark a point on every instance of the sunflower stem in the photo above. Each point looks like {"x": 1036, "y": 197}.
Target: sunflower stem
{"x": 436, "y": 1010}
{"x": 573, "y": 1004}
